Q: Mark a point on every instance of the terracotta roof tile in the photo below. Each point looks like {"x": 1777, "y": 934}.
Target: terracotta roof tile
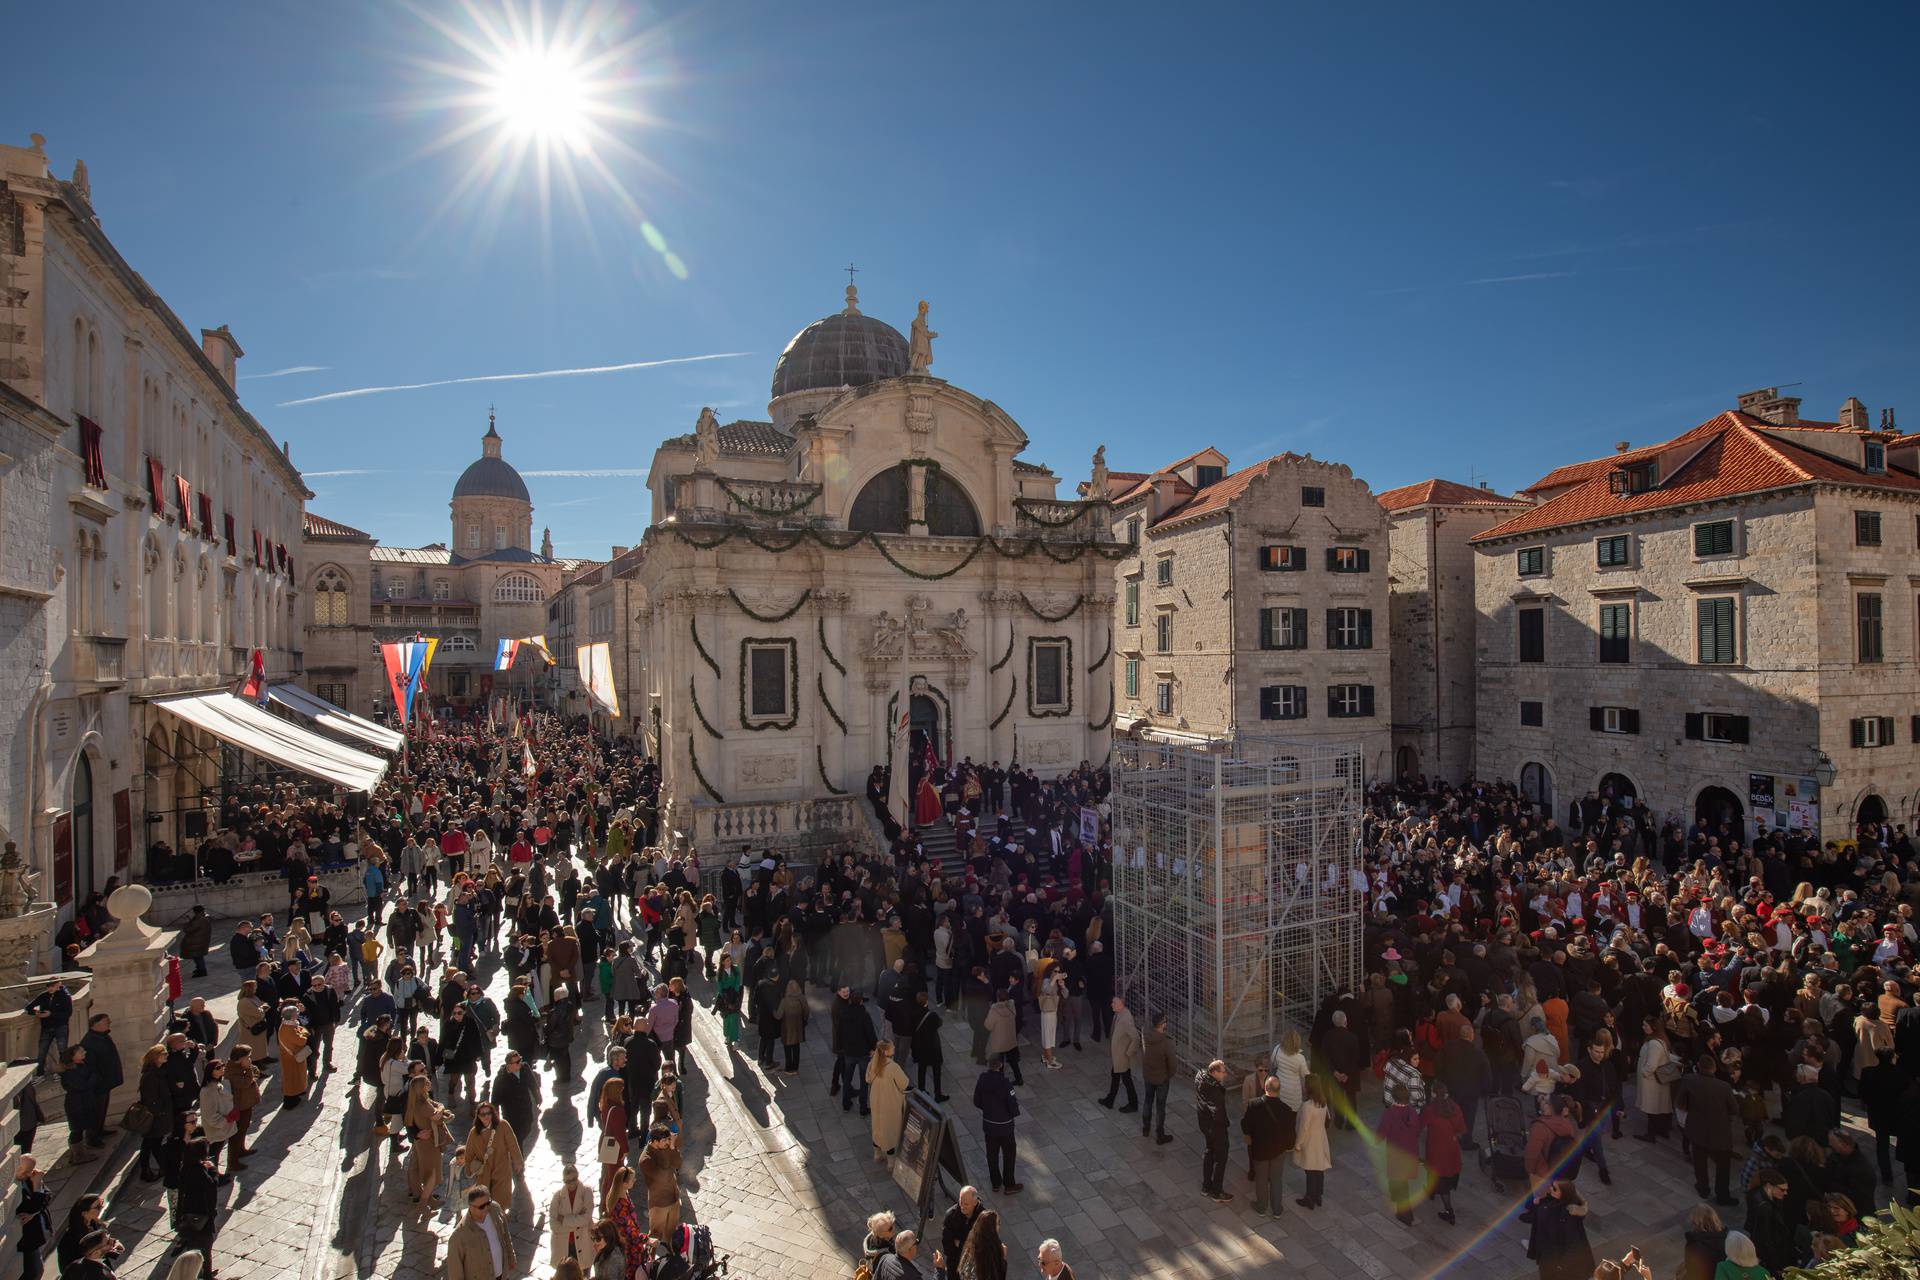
{"x": 318, "y": 526}
{"x": 1739, "y": 457}
{"x": 1217, "y": 496}
{"x": 1446, "y": 493}
{"x": 1031, "y": 468}
{"x": 741, "y": 437}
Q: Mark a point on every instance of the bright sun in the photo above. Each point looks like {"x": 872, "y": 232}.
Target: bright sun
{"x": 543, "y": 94}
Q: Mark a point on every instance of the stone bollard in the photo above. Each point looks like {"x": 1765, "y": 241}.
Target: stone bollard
{"x": 129, "y": 985}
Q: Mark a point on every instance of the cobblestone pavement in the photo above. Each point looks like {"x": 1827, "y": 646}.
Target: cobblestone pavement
{"x": 785, "y": 1178}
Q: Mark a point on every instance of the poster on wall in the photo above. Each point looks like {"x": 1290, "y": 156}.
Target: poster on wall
{"x": 1784, "y": 803}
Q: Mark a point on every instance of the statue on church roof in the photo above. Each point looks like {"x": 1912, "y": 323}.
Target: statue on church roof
{"x": 920, "y": 342}
{"x": 82, "y": 183}
{"x": 706, "y": 441}
{"x": 1098, "y": 487}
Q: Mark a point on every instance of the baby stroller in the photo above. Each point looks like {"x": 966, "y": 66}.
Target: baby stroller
{"x": 687, "y": 1254}
{"x": 1503, "y": 1155}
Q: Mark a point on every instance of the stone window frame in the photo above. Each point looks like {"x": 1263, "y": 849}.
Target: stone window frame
{"x": 1879, "y": 621}
{"x": 789, "y": 715}
{"x": 1042, "y": 710}
{"x": 1163, "y": 623}
{"x": 1734, "y": 539}
{"x": 1132, "y": 677}
{"x": 1539, "y": 569}
{"x": 1163, "y": 696}
{"x": 1163, "y": 569}
{"x": 1313, "y": 495}
{"x": 1865, "y": 522}
{"x": 1130, "y": 595}
{"x": 1601, "y": 637}
{"x": 1519, "y": 614}
{"x": 1735, "y": 625}
{"x": 1602, "y": 541}
{"x": 1539, "y": 706}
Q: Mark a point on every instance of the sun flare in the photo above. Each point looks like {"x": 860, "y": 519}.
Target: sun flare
{"x": 543, "y": 94}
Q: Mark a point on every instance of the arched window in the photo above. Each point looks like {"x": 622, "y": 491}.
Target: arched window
{"x": 460, "y": 644}
{"x": 516, "y": 588}
{"x": 882, "y": 506}
{"x": 330, "y": 598}
{"x": 396, "y": 587}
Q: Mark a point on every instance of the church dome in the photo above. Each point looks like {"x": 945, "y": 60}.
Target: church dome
{"x": 844, "y": 350}
{"x": 491, "y": 476}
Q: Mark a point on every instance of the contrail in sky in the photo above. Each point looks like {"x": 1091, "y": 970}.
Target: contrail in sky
{"x": 281, "y": 373}
{"x": 512, "y": 377}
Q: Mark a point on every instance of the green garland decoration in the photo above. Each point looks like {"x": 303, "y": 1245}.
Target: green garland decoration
{"x": 1011, "y": 690}
{"x": 777, "y": 541}
{"x": 1007, "y": 656}
{"x": 1104, "y": 654}
{"x": 826, "y": 651}
{"x": 793, "y": 673}
{"x": 700, "y": 777}
{"x": 1026, "y": 507}
{"x": 1066, "y": 669}
{"x": 928, "y": 577}
{"x": 693, "y": 630}
{"x": 1053, "y": 617}
{"x": 1105, "y": 720}
{"x": 727, "y": 488}
{"x": 820, "y": 758}
{"x": 820, "y": 685}
{"x": 703, "y": 546}
{"x": 771, "y": 619}
{"x": 706, "y": 724}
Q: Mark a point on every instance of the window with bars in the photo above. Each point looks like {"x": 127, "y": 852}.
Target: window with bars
{"x": 1282, "y": 559}
{"x": 1349, "y": 628}
{"x": 1616, "y": 627}
{"x": 1870, "y": 626}
{"x": 1283, "y": 628}
{"x": 1715, "y": 619}
{"x": 1533, "y": 635}
{"x": 1349, "y": 701}
{"x": 1283, "y": 702}
{"x": 1714, "y": 538}
{"x": 1312, "y": 495}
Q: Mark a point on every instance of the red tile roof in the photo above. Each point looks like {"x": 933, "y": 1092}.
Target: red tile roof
{"x": 1216, "y": 496}
{"x": 1190, "y": 458}
{"x": 316, "y": 526}
{"x": 1737, "y": 457}
{"x": 1444, "y": 493}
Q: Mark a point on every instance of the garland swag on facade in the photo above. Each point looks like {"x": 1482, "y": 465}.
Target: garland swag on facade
{"x": 820, "y": 686}
{"x": 826, "y": 650}
{"x": 840, "y": 540}
{"x": 694, "y": 758}
{"x": 1105, "y": 653}
{"x": 693, "y": 629}
{"x": 706, "y": 724}
{"x": 770, "y": 619}
{"x": 820, "y": 758}
{"x": 1012, "y": 688}
{"x": 727, "y": 488}
{"x": 1053, "y": 617}
{"x": 1005, "y": 657}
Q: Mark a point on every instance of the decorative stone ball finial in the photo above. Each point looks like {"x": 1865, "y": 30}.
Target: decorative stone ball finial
{"x": 39, "y": 141}
{"x": 853, "y": 301}
{"x": 129, "y": 902}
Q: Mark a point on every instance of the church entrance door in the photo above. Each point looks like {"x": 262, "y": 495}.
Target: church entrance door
{"x": 926, "y": 726}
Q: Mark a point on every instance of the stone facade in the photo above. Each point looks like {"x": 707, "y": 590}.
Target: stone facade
{"x": 764, "y": 638}
{"x": 1434, "y": 616}
{"x": 1226, "y": 619}
{"x": 1790, "y": 680}
{"x": 159, "y": 540}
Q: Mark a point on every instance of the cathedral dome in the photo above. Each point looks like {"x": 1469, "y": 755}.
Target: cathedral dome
{"x": 844, "y": 350}
{"x": 491, "y": 476}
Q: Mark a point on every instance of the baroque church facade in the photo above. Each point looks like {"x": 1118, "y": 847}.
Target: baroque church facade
{"x": 881, "y": 515}
{"x": 485, "y": 584}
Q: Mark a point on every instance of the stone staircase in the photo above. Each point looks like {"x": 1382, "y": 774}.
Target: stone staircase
{"x": 938, "y": 841}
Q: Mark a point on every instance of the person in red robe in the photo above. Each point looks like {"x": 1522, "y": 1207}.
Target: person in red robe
{"x": 926, "y": 803}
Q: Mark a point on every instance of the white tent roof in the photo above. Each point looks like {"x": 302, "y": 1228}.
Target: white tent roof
{"x": 244, "y": 725}
{"x": 340, "y": 720}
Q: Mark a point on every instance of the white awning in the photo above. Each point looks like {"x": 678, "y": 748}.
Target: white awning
{"x": 244, "y": 725}
{"x": 340, "y": 720}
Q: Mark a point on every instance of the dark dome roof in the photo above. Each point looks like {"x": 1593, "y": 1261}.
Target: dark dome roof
{"x": 491, "y": 478}
{"x": 844, "y": 350}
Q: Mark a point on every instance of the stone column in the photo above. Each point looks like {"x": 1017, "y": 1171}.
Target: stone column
{"x": 1002, "y": 609}
{"x": 832, "y": 607}
{"x": 127, "y": 985}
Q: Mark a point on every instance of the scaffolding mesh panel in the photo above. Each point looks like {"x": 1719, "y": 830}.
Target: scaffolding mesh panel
{"x": 1236, "y": 891}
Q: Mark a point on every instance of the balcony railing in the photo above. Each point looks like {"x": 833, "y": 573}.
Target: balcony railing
{"x": 777, "y": 824}
{"x": 1065, "y": 521}
{"x": 779, "y": 502}
{"x": 100, "y": 661}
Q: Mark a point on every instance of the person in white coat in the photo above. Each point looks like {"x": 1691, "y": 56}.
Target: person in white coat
{"x": 1654, "y": 1094}
{"x": 218, "y": 1113}
{"x": 1290, "y": 1069}
{"x": 570, "y": 1218}
{"x": 1310, "y": 1148}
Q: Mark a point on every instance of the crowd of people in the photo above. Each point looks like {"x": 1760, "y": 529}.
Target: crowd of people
{"x": 1529, "y": 987}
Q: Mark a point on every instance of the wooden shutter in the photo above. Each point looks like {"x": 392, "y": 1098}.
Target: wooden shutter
{"x": 1333, "y": 630}
{"x": 1366, "y": 628}
{"x": 1596, "y": 719}
{"x": 1886, "y": 730}
{"x": 1270, "y": 702}
{"x": 1299, "y": 621}
{"x": 1696, "y": 726}
{"x": 1366, "y": 699}
{"x": 1856, "y": 733}
{"x": 1266, "y": 629}
{"x": 1333, "y": 700}
{"x": 1629, "y": 720}
{"x": 1737, "y": 729}
{"x": 1362, "y": 560}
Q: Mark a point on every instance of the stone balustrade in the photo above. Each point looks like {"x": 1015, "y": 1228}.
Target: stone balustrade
{"x": 784, "y": 826}
{"x": 776, "y": 502}
{"x": 1060, "y": 520}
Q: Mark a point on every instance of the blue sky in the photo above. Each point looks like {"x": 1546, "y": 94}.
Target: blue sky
{"x": 1472, "y": 241}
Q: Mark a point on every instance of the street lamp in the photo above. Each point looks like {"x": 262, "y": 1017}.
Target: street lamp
{"x": 1824, "y": 770}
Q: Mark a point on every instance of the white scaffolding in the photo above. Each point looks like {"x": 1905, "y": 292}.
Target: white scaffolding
{"x": 1237, "y": 898}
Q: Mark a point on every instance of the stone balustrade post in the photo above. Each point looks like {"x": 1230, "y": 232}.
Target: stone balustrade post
{"x": 128, "y": 985}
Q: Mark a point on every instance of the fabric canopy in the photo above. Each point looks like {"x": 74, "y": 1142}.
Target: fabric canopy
{"x": 244, "y": 725}
{"x": 340, "y": 720}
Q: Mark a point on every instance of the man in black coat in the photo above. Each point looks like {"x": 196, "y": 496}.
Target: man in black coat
{"x": 181, "y": 1072}
{"x": 994, "y": 1097}
{"x": 1712, "y": 1114}
{"x": 854, "y": 1038}
{"x": 928, "y": 1055}
{"x": 322, "y": 1007}
{"x": 243, "y": 948}
{"x": 196, "y": 936}
{"x": 1468, "y": 1075}
{"x": 1340, "y": 1049}
{"x": 103, "y": 1057}
{"x": 1269, "y": 1126}
{"x": 642, "y": 1074}
{"x": 1210, "y": 1109}
{"x": 516, "y": 1092}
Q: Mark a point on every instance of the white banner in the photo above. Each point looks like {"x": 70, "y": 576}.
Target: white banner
{"x": 595, "y": 664}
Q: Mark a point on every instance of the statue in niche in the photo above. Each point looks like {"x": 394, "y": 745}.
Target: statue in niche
{"x": 920, "y": 342}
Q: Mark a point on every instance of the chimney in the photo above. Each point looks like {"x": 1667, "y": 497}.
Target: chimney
{"x": 1484, "y": 485}
{"x": 219, "y": 346}
{"x": 1769, "y": 404}
{"x": 1621, "y": 446}
{"x": 1853, "y": 414}
{"x": 1886, "y": 419}
{"x": 1165, "y": 495}
{"x": 619, "y": 550}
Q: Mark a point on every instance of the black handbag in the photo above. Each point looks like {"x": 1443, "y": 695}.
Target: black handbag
{"x": 138, "y": 1119}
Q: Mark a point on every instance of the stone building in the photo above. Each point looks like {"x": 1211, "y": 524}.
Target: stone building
{"x": 152, "y": 530}
{"x": 1711, "y": 623}
{"x": 485, "y": 584}
{"x": 1431, "y": 526}
{"x": 791, "y": 564}
{"x": 1253, "y": 601}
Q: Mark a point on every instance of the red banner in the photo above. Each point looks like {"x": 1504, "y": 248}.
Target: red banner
{"x": 206, "y": 517}
{"x": 91, "y": 456}
{"x": 63, "y": 858}
{"x": 156, "y": 484}
{"x": 184, "y": 492}
{"x": 232, "y": 550}
{"x": 122, "y": 829}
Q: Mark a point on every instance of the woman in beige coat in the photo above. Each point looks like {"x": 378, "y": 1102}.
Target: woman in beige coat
{"x": 887, "y": 1090}
{"x": 251, "y": 1013}
{"x": 493, "y": 1154}
{"x": 294, "y": 1055}
{"x": 570, "y": 1218}
{"x": 1310, "y": 1150}
{"x": 431, "y": 1138}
